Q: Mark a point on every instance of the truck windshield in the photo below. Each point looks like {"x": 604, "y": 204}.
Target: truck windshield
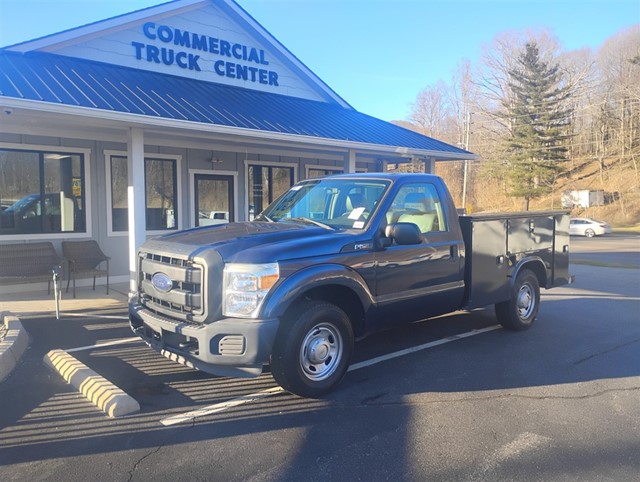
{"x": 330, "y": 202}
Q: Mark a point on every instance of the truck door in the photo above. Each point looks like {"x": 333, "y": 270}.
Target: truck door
{"x": 418, "y": 281}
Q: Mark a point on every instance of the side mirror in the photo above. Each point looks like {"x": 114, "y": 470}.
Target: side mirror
{"x": 403, "y": 233}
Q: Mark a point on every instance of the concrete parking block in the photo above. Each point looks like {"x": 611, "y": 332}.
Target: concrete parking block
{"x": 12, "y": 345}
{"x": 98, "y": 390}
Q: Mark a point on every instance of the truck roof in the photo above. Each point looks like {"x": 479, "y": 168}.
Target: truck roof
{"x": 391, "y": 176}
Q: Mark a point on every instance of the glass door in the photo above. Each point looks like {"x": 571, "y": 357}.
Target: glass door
{"x": 265, "y": 184}
{"x": 214, "y": 199}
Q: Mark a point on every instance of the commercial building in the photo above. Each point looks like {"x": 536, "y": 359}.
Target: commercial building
{"x": 170, "y": 117}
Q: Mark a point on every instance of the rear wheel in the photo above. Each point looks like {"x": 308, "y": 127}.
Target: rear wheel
{"x": 312, "y": 350}
{"x": 519, "y": 312}
{"x": 589, "y": 233}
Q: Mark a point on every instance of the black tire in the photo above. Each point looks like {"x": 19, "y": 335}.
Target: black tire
{"x": 313, "y": 348}
{"x": 589, "y": 233}
{"x": 519, "y": 312}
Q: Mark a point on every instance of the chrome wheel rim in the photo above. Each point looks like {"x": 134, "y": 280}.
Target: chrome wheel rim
{"x": 525, "y": 302}
{"x": 321, "y": 351}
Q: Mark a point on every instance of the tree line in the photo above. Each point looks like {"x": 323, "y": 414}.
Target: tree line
{"x": 536, "y": 115}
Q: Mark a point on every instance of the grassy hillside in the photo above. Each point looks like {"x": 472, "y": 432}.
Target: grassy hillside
{"x": 621, "y": 184}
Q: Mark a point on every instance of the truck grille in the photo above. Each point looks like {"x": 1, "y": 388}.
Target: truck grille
{"x": 184, "y": 299}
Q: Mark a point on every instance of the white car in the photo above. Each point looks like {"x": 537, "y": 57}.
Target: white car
{"x": 588, "y": 227}
{"x": 213, "y": 217}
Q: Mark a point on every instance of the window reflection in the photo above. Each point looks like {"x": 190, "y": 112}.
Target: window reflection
{"x": 314, "y": 173}
{"x": 160, "y": 194}
{"x": 41, "y": 192}
{"x": 160, "y": 180}
{"x": 267, "y": 183}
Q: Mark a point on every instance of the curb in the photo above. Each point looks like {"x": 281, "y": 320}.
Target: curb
{"x": 99, "y": 391}
{"x": 13, "y": 345}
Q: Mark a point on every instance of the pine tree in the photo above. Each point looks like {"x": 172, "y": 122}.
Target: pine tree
{"x": 539, "y": 126}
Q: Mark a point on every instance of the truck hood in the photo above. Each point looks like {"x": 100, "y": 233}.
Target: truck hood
{"x": 257, "y": 242}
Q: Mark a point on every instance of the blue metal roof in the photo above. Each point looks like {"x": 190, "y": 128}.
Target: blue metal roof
{"x": 68, "y": 81}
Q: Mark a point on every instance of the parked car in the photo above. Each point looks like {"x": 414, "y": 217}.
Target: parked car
{"x": 588, "y": 227}
{"x": 213, "y": 217}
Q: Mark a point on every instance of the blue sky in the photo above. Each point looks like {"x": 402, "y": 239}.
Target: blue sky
{"x": 376, "y": 54}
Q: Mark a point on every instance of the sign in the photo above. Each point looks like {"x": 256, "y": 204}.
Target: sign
{"x": 76, "y": 184}
{"x": 172, "y": 46}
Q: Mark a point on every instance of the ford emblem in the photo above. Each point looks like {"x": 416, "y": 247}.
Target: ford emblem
{"x": 162, "y": 282}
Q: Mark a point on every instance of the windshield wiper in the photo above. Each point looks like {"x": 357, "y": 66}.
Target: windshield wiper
{"x": 309, "y": 221}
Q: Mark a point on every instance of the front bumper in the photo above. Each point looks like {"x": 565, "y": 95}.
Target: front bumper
{"x": 231, "y": 347}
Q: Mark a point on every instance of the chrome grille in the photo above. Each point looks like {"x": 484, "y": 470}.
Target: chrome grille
{"x": 184, "y": 299}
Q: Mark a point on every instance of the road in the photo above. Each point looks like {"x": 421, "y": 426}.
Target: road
{"x": 613, "y": 250}
{"x": 557, "y": 402}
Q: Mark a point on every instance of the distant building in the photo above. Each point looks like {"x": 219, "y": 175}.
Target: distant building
{"x": 582, "y": 199}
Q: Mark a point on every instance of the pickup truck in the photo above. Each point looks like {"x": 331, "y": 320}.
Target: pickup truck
{"x": 331, "y": 261}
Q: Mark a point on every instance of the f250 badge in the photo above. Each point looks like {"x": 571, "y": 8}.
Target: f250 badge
{"x": 162, "y": 282}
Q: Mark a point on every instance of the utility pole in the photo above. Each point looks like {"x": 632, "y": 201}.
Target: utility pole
{"x": 466, "y": 162}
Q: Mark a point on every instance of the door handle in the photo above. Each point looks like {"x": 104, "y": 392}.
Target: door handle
{"x": 453, "y": 252}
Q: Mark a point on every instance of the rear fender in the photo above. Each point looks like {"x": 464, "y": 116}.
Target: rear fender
{"x": 534, "y": 264}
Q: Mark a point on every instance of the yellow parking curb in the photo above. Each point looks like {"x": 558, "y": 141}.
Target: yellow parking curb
{"x": 13, "y": 345}
{"x": 99, "y": 391}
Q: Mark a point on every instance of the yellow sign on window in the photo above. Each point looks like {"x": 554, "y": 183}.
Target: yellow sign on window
{"x": 77, "y": 186}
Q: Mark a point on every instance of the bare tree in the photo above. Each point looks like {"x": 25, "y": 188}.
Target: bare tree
{"x": 620, "y": 78}
{"x": 430, "y": 109}
{"x": 604, "y": 88}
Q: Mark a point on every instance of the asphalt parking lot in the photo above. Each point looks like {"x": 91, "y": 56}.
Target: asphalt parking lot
{"x": 472, "y": 402}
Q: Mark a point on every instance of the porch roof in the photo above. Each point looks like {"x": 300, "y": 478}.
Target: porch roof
{"x": 62, "y": 80}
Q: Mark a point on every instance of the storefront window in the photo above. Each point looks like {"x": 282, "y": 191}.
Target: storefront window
{"x": 315, "y": 172}
{"x": 41, "y": 192}
{"x": 119, "y": 183}
{"x": 266, "y": 183}
{"x": 160, "y": 193}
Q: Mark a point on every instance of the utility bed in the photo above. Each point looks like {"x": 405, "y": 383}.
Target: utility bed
{"x": 496, "y": 243}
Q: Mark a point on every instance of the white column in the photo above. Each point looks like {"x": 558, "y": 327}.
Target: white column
{"x": 430, "y": 165}
{"x": 350, "y": 165}
{"x": 135, "y": 196}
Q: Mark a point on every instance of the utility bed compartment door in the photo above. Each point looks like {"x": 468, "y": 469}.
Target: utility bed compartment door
{"x": 486, "y": 264}
{"x": 560, "y": 273}
{"x": 496, "y": 243}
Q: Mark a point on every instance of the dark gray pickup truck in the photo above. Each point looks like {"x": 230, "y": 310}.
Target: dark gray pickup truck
{"x": 331, "y": 261}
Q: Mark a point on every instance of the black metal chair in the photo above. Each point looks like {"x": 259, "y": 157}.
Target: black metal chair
{"x": 85, "y": 259}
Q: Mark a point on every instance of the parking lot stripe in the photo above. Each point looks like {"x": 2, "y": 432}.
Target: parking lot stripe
{"x": 108, "y": 343}
{"x": 219, "y": 407}
{"x": 413, "y": 349}
{"x": 93, "y": 315}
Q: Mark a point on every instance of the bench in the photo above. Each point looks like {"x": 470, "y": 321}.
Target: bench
{"x": 28, "y": 263}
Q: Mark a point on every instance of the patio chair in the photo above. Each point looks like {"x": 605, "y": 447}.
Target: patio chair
{"x": 85, "y": 259}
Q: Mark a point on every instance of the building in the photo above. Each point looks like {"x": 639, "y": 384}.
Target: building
{"x": 174, "y": 116}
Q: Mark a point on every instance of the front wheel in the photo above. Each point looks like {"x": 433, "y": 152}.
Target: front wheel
{"x": 312, "y": 351}
{"x": 519, "y": 312}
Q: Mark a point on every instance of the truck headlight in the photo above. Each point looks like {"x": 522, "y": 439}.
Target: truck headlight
{"x": 245, "y": 287}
